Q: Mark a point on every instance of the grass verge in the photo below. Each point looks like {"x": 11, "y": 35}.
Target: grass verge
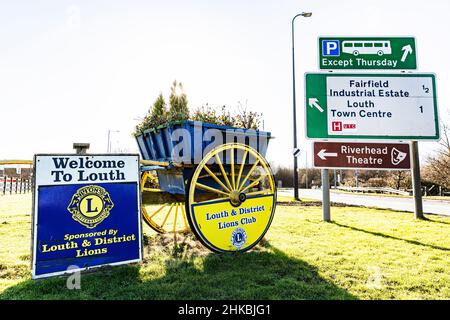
{"x": 363, "y": 254}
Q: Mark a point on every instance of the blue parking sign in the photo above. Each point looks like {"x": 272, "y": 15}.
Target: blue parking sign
{"x": 330, "y": 48}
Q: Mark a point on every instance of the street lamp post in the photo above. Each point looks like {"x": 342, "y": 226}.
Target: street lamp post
{"x": 306, "y": 15}
{"x": 109, "y": 140}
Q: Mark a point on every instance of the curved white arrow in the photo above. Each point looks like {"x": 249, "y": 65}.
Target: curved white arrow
{"x": 323, "y": 154}
{"x": 406, "y": 49}
{"x": 313, "y": 102}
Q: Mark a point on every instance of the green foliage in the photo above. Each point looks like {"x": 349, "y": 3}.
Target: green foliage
{"x": 226, "y": 119}
{"x": 179, "y": 110}
{"x": 241, "y": 119}
{"x": 205, "y": 114}
{"x": 247, "y": 119}
{"x": 210, "y": 115}
{"x": 159, "y": 112}
{"x": 157, "y": 115}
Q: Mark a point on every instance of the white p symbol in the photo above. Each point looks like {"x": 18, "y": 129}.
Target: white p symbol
{"x": 330, "y": 46}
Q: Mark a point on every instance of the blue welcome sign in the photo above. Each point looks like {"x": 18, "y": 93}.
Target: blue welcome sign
{"x": 86, "y": 212}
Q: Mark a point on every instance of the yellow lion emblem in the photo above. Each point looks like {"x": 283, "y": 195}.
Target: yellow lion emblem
{"x": 90, "y": 205}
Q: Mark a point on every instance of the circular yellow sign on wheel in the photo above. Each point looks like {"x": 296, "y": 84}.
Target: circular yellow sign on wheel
{"x": 231, "y": 198}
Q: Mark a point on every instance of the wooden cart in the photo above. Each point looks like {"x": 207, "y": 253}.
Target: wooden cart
{"x": 190, "y": 165}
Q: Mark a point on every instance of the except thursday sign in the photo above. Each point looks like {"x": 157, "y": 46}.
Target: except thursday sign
{"x": 371, "y": 106}
{"x": 394, "y": 53}
{"x": 364, "y": 155}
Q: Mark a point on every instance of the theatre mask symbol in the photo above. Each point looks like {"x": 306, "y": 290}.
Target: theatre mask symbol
{"x": 397, "y": 156}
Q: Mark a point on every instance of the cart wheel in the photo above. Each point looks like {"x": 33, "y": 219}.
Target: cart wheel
{"x": 158, "y": 216}
{"x": 231, "y": 203}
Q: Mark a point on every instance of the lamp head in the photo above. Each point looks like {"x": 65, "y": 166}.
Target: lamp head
{"x": 307, "y": 14}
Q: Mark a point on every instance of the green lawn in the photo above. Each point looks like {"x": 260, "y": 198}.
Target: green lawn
{"x": 362, "y": 254}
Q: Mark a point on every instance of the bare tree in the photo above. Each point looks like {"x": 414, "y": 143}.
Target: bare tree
{"x": 399, "y": 179}
{"x": 444, "y": 142}
{"x": 438, "y": 168}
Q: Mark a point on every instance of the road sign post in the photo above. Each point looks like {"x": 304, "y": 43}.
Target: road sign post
{"x": 325, "y": 196}
{"x": 371, "y": 106}
{"x": 417, "y": 186}
{"x": 350, "y": 53}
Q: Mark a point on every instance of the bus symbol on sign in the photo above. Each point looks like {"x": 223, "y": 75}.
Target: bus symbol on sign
{"x": 367, "y": 47}
{"x": 330, "y": 48}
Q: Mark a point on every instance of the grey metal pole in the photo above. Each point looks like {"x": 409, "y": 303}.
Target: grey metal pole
{"x": 294, "y": 113}
{"x": 303, "y": 14}
{"x": 417, "y": 187}
{"x": 326, "y": 196}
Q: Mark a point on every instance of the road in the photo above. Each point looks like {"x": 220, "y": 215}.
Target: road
{"x": 385, "y": 202}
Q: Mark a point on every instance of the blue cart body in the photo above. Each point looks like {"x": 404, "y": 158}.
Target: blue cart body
{"x": 186, "y": 142}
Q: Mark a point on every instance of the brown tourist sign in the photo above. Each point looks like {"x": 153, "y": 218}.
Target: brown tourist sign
{"x": 362, "y": 155}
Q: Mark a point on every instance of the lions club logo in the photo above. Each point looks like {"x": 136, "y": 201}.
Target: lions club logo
{"x": 238, "y": 238}
{"x": 90, "y": 205}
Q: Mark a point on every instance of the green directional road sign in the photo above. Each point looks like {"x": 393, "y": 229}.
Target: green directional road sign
{"x": 398, "y": 53}
{"x": 371, "y": 106}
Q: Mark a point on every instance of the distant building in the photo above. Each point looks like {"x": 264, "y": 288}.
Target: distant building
{"x": 18, "y": 172}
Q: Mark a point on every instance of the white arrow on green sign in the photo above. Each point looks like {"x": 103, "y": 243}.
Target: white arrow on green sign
{"x": 388, "y": 106}
{"x": 398, "y": 53}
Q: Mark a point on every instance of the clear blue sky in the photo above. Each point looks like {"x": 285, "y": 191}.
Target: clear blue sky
{"x": 72, "y": 70}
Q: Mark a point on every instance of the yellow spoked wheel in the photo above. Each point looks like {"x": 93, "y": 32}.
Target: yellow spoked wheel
{"x": 169, "y": 216}
{"x": 231, "y": 198}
